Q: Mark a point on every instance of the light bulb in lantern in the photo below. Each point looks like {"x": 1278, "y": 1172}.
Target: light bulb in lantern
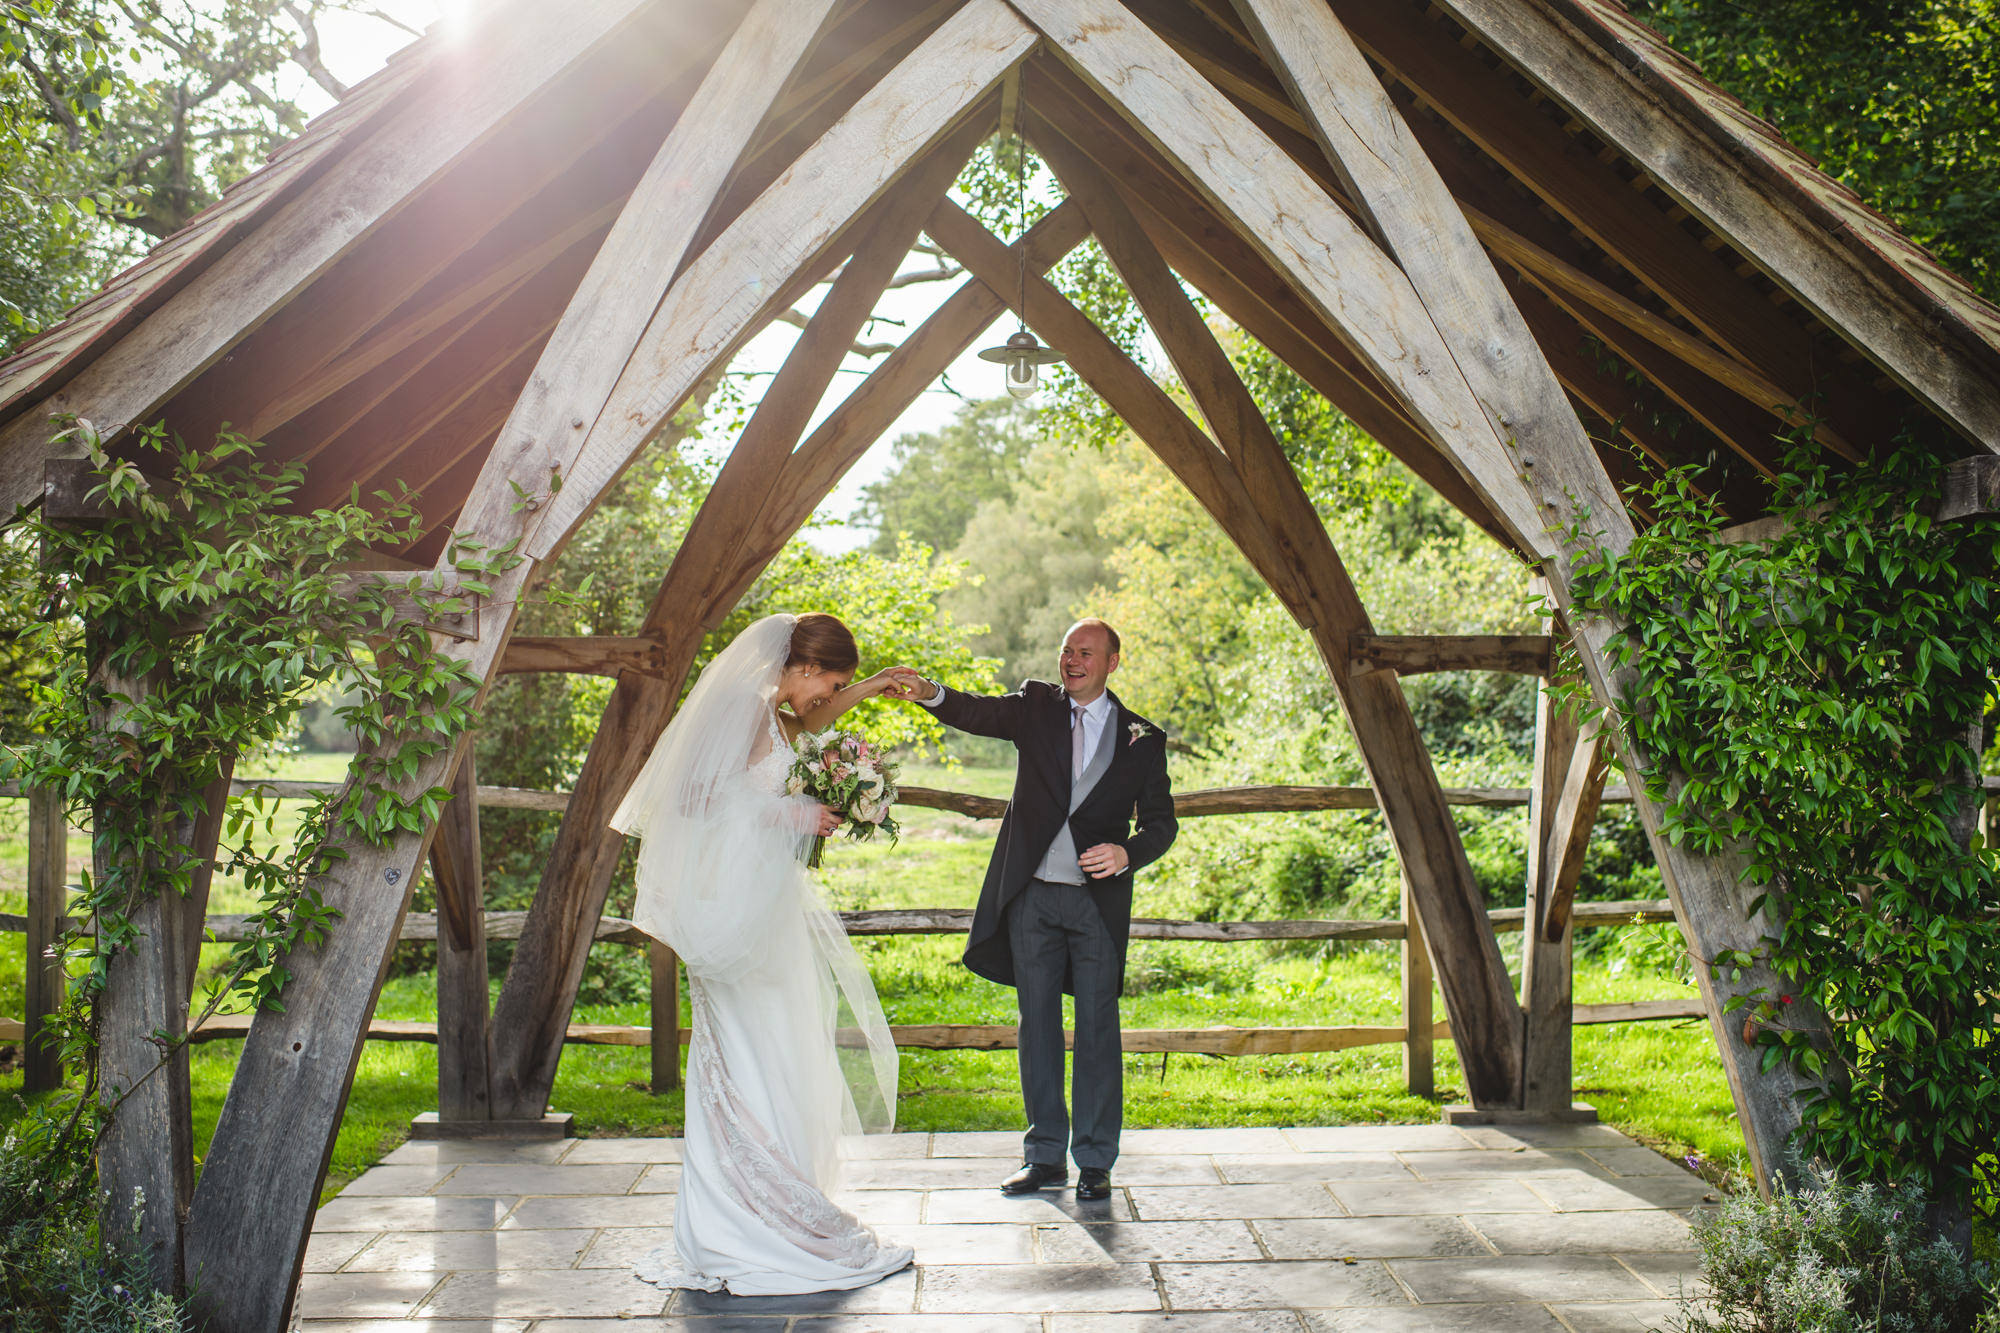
{"x": 1024, "y": 357}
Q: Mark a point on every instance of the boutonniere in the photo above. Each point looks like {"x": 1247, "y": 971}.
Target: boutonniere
{"x": 1138, "y": 731}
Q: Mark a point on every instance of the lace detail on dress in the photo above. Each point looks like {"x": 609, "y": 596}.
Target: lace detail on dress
{"x": 763, "y": 1177}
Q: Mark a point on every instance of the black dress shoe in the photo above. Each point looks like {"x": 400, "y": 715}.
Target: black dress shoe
{"x": 1034, "y": 1176}
{"x": 1093, "y": 1183}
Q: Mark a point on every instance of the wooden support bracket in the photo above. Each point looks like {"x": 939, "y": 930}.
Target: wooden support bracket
{"x": 1415, "y": 654}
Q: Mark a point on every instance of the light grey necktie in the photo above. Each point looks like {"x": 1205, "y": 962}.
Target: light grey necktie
{"x": 1075, "y": 741}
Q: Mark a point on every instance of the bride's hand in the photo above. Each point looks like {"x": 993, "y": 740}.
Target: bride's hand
{"x": 901, "y": 682}
{"x": 829, "y": 821}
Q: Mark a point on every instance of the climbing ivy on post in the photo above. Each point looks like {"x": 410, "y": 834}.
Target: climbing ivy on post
{"x": 1818, "y": 698}
{"x": 189, "y": 618}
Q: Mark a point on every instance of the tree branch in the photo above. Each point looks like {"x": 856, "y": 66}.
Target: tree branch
{"x": 307, "y": 57}
{"x": 57, "y": 104}
{"x": 798, "y": 319}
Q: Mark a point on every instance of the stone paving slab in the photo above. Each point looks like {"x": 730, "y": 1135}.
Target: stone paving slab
{"x": 1307, "y": 1167}
{"x": 1146, "y": 1242}
{"x": 1437, "y": 1319}
{"x": 1397, "y": 1228}
{"x": 1371, "y": 1237}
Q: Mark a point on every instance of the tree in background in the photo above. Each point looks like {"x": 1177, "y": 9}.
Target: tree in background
{"x": 1898, "y": 99}
{"x": 938, "y": 479}
{"x": 1033, "y": 556}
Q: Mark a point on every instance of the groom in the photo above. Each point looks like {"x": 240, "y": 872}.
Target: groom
{"x": 1056, "y": 908}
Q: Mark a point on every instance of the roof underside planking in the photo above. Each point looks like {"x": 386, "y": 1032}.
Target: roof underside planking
{"x": 1692, "y": 312}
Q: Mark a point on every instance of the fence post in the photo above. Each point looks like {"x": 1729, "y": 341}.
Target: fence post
{"x": 666, "y": 1016}
{"x": 1419, "y": 1046}
{"x": 465, "y": 1041}
{"x": 48, "y": 862}
{"x": 1546, "y": 963}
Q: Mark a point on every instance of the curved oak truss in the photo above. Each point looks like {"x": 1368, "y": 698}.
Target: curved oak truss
{"x": 1505, "y": 236}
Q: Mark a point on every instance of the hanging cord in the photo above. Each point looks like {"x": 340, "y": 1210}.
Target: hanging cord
{"x": 1021, "y": 212}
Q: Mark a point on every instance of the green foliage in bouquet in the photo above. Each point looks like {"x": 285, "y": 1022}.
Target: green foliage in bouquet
{"x": 842, "y": 770}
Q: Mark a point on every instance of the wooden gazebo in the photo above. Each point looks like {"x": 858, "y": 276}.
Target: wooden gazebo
{"x": 509, "y": 257}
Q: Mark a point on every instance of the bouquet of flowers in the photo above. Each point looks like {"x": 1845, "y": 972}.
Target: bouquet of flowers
{"x": 841, "y": 770}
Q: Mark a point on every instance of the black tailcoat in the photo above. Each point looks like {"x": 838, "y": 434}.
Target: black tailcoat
{"x": 1036, "y": 719}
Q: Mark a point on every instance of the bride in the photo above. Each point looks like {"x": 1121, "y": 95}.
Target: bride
{"x": 772, "y": 977}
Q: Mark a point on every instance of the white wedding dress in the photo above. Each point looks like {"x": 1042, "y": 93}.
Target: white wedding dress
{"x": 789, "y": 1048}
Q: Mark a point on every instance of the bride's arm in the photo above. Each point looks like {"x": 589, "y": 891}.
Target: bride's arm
{"x": 826, "y": 714}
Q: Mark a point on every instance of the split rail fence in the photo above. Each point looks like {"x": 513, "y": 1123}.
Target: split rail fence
{"x": 47, "y": 891}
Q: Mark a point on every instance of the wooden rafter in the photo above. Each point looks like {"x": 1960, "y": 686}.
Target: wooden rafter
{"x": 209, "y": 315}
{"x": 1470, "y": 971}
{"x": 1349, "y": 282}
{"x": 897, "y": 121}
{"x": 1509, "y": 230}
{"x": 864, "y": 42}
{"x": 838, "y": 442}
{"x": 1630, "y": 407}
{"x": 540, "y": 989}
{"x": 1209, "y": 253}
{"x": 1481, "y": 103}
{"x": 1395, "y": 184}
{"x": 455, "y": 370}
{"x": 1951, "y": 372}
{"x": 492, "y": 220}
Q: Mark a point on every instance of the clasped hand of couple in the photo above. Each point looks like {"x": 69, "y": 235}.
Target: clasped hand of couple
{"x": 900, "y": 682}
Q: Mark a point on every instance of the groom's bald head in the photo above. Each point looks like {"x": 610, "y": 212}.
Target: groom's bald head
{"x": 1089, "y": 656}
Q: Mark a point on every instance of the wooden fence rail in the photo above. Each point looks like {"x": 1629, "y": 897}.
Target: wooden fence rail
{"x": 42, "y": 922}
{"x": 226, "y": 928}
{"x": 1187, "y": 805}
{"x": 1001, "y": 1036}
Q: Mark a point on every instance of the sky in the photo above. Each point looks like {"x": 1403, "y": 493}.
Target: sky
{"x": 355, "y": 46}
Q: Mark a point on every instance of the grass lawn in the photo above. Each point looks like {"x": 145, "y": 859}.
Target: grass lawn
{"x": 1660, "y": 1082}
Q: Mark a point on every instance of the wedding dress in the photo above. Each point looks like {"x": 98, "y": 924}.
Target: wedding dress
{"x": 789, "y": 1048}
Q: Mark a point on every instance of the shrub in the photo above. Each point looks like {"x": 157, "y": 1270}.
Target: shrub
{"x": 54, "y": 1273}
{"x": 1836, "y": 1258}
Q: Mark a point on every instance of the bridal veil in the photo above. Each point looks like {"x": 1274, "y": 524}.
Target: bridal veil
{"x": 721, "y": 876}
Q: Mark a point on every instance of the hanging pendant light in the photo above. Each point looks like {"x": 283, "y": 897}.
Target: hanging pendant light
{"x": 1022, "y": 353}
{"x": 1024, "y": 358}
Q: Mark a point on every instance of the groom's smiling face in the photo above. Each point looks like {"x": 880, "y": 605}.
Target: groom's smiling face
{"x": 1087, "y": 661}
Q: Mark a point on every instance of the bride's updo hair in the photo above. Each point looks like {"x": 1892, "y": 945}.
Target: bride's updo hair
{"x": 820, "y": 640}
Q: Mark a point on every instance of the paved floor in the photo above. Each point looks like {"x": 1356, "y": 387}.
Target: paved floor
{"x": 1394, "y": 1227}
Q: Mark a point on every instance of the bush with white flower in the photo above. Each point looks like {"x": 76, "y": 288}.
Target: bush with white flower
{"x": 842, "y": 770}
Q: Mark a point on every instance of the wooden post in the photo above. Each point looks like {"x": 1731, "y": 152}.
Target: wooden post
{"x": 260, "y": 1183}
{"x": 48, "y": 859}
{"x": 1249, "y": 488}
{"x": 1546, "y": 990}
{"x": 720, "y": 554}
{"x": 464, "y": 1035}
{"x": 145, "y": 1158}
{"x": 666, "y": 1016}
{"x": 1419, "y": 1047}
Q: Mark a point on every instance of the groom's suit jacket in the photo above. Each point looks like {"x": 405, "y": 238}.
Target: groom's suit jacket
{"x": 1036, "y": 718}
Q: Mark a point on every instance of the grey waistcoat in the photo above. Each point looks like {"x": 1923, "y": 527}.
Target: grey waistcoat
{"x": 1059, "y": 863}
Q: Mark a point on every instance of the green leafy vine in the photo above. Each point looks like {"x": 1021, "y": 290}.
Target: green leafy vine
{"x": 189, "y": 621}
{"x": 1818, "y": 696}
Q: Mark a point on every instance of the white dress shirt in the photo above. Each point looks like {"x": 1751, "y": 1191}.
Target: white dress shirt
{"x": 1096, "y": 716}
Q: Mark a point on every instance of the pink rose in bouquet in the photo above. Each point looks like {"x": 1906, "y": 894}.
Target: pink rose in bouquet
{"x": 842, "y": 770}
